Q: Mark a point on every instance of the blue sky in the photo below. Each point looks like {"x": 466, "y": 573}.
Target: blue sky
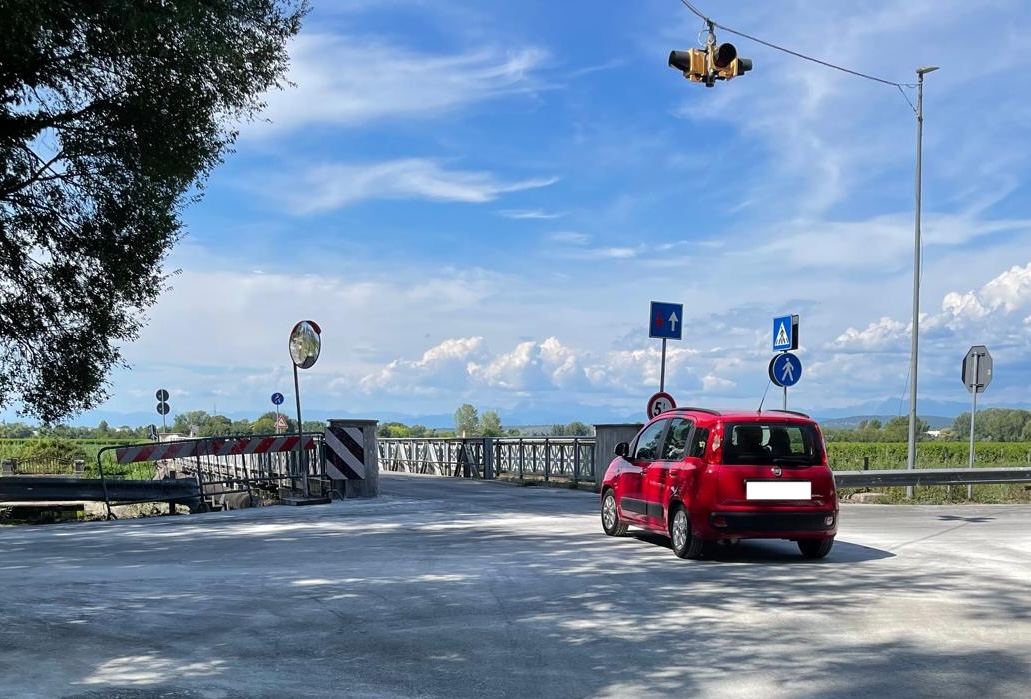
{"x": 478, "y": 200}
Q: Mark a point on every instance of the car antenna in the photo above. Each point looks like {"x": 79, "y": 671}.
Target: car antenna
{"x": 768, "y": 384}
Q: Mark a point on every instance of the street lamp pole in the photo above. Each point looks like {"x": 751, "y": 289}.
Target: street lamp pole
{"x": 911, "y": 454}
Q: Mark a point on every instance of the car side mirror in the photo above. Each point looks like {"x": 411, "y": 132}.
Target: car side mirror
{"x": 622, "y": 449}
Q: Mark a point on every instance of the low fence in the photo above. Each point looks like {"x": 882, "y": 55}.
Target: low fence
{"x": 42, "y": 467}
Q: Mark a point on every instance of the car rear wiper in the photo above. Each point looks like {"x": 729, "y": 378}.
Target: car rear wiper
{"x": 793, "y": 461}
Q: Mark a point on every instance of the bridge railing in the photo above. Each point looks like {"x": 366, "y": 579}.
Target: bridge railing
{"x": 568, "y": 458}
{"x": 265, "y": 465}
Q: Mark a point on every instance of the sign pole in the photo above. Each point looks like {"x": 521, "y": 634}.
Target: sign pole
{"x": 973, "y": 413}
{"x": 785, "y": 398}
{"x": 662, "y": 369}
{"x": 300, "y": 437}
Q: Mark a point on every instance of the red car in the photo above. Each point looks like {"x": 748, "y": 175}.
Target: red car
{"x": 703, "y": 476}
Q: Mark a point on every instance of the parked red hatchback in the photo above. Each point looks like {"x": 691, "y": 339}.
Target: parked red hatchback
{"x": 703, "y": 476}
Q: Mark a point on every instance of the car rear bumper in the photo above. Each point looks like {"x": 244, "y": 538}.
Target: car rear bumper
{"x": 772, "y": 525}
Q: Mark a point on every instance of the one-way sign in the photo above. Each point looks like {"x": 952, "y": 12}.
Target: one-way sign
{"x": 666, "y": 320}
{"x": 977, "y": 369}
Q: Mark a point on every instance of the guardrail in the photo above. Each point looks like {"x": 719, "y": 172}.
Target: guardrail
{"x": 930, "y": 476}
{"x": 62, "y": 489}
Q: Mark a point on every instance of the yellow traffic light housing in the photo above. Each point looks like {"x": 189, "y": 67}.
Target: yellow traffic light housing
{"x": 726, "y": 63}
{"x": 693, "y": 63}
{"x": 710, "y": 64}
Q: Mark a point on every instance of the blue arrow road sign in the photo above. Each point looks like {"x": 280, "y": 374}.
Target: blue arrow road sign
{"x": 277, "y": 398}
{"x": 666, "y": 320}
{"x": 785, "y": 369}
{"x": 784, "y": 329}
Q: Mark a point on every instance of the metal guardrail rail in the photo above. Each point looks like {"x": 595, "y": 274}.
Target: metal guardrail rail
{"x": 930, "y": 476}
{"x": 64, "y": 489}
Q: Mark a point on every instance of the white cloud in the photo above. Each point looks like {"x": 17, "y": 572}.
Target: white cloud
{"x": 531, "y": 214}
{"x": 570, "y": 238}
{"x": 351, "y": 79}
{"x": 882, "y": 334}
{"x": 1007, "y": 293}
{"x": 329, "y": 187}
{"x": 448, "y": 364}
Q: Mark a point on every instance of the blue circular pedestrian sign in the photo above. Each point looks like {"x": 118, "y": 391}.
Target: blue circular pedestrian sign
{"x": 277, "y": 398}
{"x": 785, "y": 369}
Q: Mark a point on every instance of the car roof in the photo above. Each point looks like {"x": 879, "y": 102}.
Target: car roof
{"x": 739, "y": 414}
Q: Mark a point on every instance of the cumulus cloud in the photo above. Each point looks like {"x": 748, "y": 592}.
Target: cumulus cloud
{"x": 1008, "y": 292}
{"x": 883, "y": 334}
{"x": 446, "y": 365}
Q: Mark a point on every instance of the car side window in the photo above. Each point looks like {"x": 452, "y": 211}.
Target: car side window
{"x": 647, "y": 446}
{"x": 676, "y": 438}
{"x": 698, "y": 442}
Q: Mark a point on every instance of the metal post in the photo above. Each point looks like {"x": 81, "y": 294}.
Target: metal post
{"x": 973, "y": 413}
{"x": 300, "y": 437}
{"x": 911, "y": 451}
{"x": 785, "y": 398}
{"x": 662, "y": 368}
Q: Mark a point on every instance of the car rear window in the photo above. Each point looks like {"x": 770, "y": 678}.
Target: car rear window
{"x": 767, "y": 442}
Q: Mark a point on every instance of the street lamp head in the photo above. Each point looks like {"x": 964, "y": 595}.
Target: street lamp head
{"x": 926, "y": 69}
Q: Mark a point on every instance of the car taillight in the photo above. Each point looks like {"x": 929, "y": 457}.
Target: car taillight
{"x": 719, "y": 521}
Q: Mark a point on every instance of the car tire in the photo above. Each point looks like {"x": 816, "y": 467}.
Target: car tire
{"x": 685, "y": 543}
{"x": 815, "y": 548}
{"x": 610, "y": 515}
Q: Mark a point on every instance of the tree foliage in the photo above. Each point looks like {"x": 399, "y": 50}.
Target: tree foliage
{"x": 490, "y": 424}
{"x": 467, "y": 421}
{"x": 112, "y": 114}
{"x": 995, "y": 424}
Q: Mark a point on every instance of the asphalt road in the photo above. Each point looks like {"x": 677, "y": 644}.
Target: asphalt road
{"x": 445, "y": 588}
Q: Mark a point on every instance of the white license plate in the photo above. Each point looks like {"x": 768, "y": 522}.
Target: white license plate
{"x": 778, "y": 490}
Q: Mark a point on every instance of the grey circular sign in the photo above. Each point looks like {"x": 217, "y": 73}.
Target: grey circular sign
{"x": 305, "y": 344}
{"x": 161, "y": 395}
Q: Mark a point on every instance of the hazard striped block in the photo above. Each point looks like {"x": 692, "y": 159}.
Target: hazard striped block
{"x": 216, "y": 446}
{"x": 345, "y": 453}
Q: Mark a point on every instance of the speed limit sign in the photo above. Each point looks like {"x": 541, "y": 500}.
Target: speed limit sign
{"x": 660, "y": 403}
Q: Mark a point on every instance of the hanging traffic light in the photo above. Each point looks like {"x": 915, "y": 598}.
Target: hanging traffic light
{"x": 726, "y": 63}
{"x": 693, "y": 64}
{"x": 710, "y": 64}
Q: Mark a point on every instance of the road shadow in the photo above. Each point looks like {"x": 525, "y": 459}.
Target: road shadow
{"x": 772, "y": 551}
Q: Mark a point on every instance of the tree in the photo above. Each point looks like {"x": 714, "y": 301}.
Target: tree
{"x": 897, "y": 429}
{"x": 997, "y": 424}
{"x": 467, "y": 422}
{"x": 112, "y": 115}
{"x": 490, "y": 424}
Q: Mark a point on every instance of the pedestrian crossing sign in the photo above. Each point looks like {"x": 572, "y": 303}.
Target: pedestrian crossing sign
{"x": 785, "y": 333}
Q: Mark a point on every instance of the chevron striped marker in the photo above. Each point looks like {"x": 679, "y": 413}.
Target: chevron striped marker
{"x": 345, "y": 453}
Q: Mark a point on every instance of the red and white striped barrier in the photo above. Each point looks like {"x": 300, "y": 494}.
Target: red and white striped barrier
{"x": 214, "y": 446}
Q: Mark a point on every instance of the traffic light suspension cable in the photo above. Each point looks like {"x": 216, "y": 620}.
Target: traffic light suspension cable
{"x": 712, "y": 23}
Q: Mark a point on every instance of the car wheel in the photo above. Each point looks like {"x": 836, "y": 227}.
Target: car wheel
{"x": 815, "y": 548}
{"x": 685, "y": 543}
{"x": 610, "y": 517}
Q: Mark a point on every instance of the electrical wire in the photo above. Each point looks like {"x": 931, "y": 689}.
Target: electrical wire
{"x": 771, "y": 45}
